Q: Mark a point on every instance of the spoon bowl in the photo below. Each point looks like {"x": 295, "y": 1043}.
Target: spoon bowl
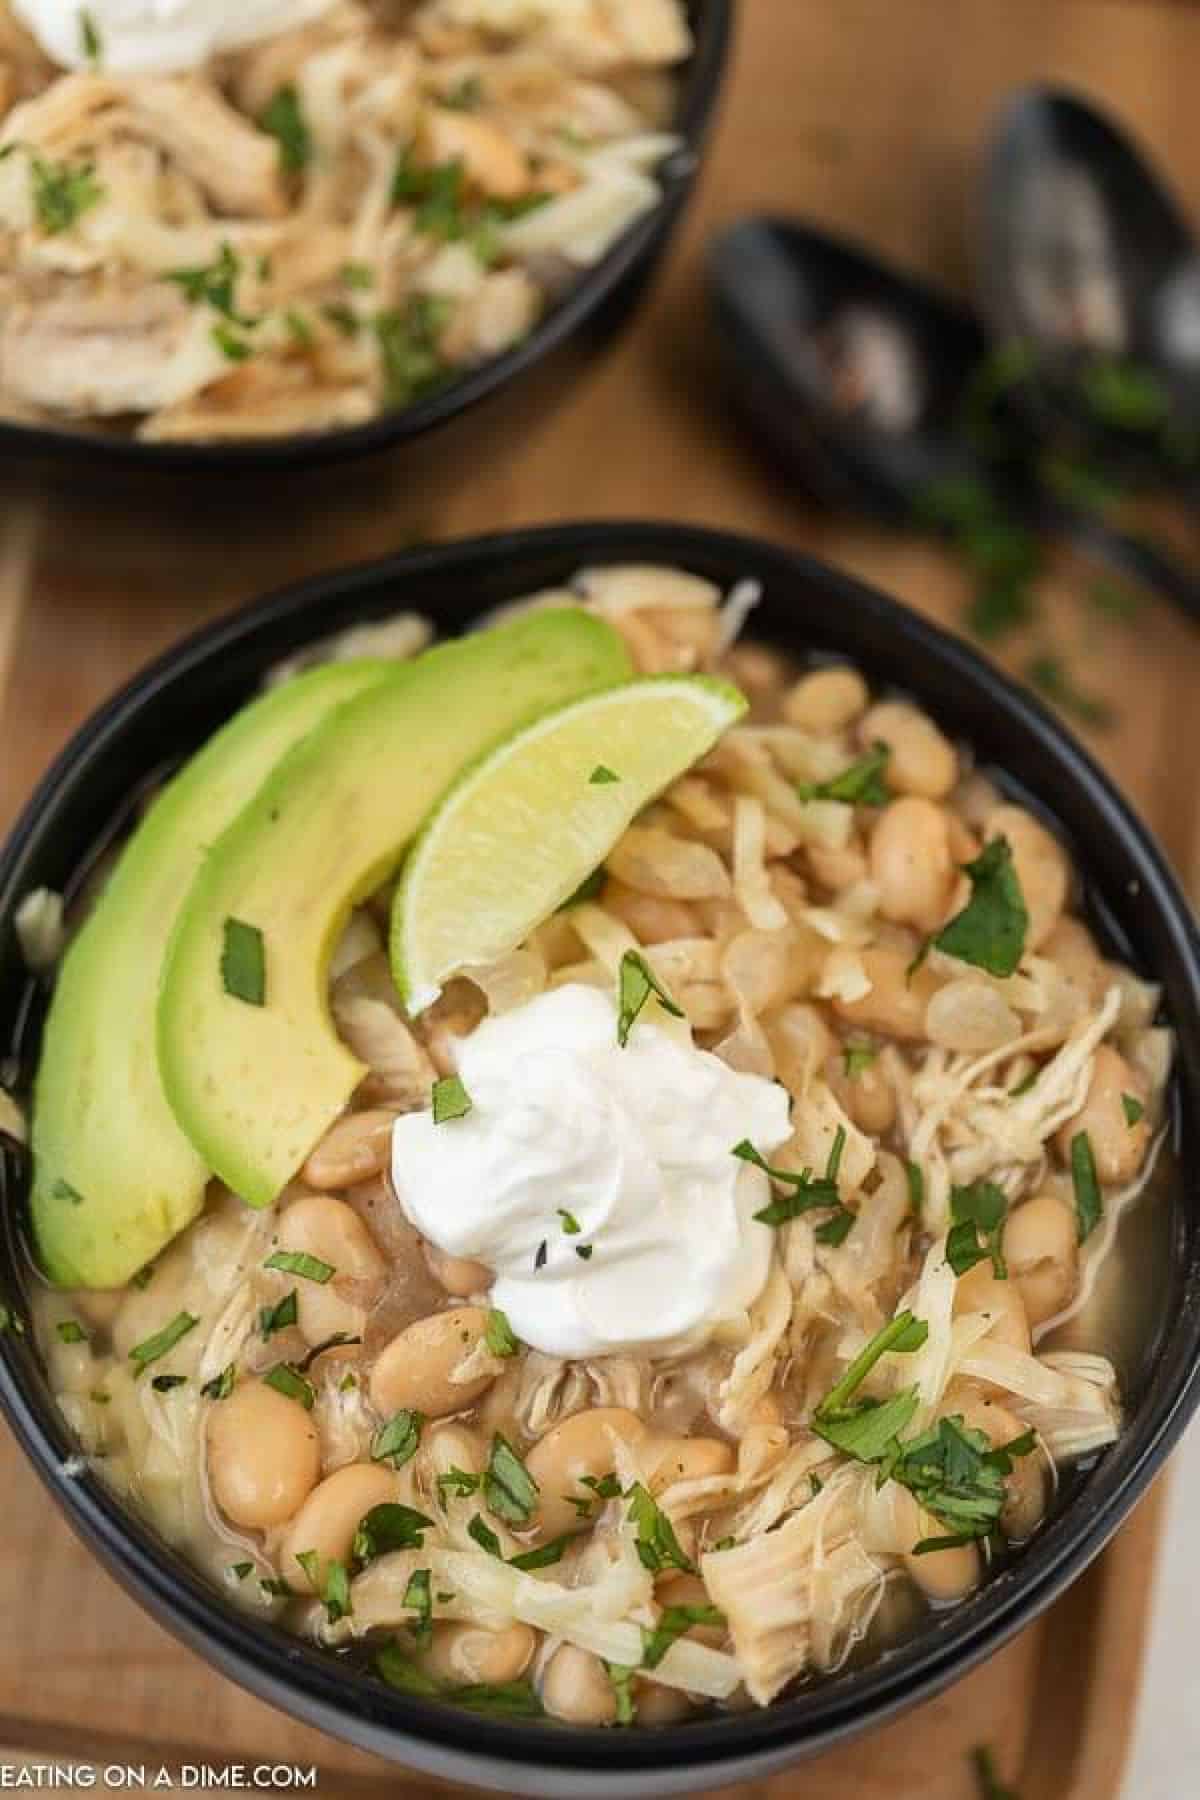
{"x": 1088, "y": 259}
{"x": 854, "y": 372}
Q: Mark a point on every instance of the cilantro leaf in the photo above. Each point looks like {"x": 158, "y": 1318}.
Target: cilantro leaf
{"x": 499, "y": 1335}
{"x": 389, "y": 1526}
{"x": 143, "y": 1354}
{"x": 1133, "y": 1109}
{"x": 672, "y": 1622}
{"x": 1089, "y": 1203}
{"x": 637, "y": 982}
{"x": 862, "y": 784}
{"x": 509, "y": 1490}
{"x": 299, "y": 1262}
{"x": 284, "y": 118}
{"x": 396, "y": 1442}
{"x": 288, "y": 1381}
{"x": 418, "y": 1597}
{"x": 990, "y": 930}
{"x": 657, "y": 1546}
{"x": 450, "y": 1100}
{"x": 978, "y": 1212}
{"x": 243, "y": 963}
{"x": 278, "y": 1317}
{"x": 62, "y": 192}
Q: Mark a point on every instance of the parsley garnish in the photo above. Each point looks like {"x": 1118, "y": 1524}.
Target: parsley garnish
{"x": 978, "y": 1212}
{"x": 485, "y": 1537}
{"x": 278, "y": 1317}
{"x": 162, "y": 1384}
{"x": 672, "y": 1622}
{"x": 1089, "y": 1205}
{"x": 990, "y": 930}
{"x": 396, "y": 1442}
{"x": 509, "y": 1490}
{"x": 1024, "y": 1085}
{"x": 241, "y": 1569}
{"x": 408, "y": 346}
{"x": 284, "y": 119}
{"x": 862, "y": 784}
{"x": 142, "y": 1355}
{"x": 584, "y": 1252}
{"x": 299, "y": 327}
{"x": 62, "y": 192}
{"x": 299, "y": 1262}
{"x": 418, "y": 1597}
{"x": 70, "y": 1331}
{"x": 271, "y": 1585}
{"x": 544, "y": 1557}
{"x": 657, "y": 1546}
{"x": 602, "y": 776}
{"x": 499, "y": 1335}
{"x": 343, "y": 318}
{"x": 450, "y": 1100}
{"x": 288, "y": 1381}
{"x": 389, "y": 1526}
{"x": 570, "y": 1223}
{"x": 336, "y": 1591}
{"x": 243, "y": 963}
{"x": 221, "y": 1386}
{"x": 400, "y": 1672}
{"x": 858, "y": 1057}
{"x": 357, "y": 275}
{"x": 636, "y": 983}
{"x": 1132, "y": 1107}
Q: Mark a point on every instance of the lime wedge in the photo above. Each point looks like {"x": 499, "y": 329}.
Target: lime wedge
{"x": 521, "y": 830}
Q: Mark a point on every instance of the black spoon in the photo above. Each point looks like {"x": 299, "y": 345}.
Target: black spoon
{"x": 1088, "y": 259}
{"x": 864, "y": 380}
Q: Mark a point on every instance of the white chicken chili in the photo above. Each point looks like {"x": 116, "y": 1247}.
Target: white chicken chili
{"x": 292, "y": 215}
{"x": 697, "y": 1291}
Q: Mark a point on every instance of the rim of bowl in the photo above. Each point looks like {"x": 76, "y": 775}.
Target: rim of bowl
{"x": 634, "y": 252}
{"x": 541, "y": 1757}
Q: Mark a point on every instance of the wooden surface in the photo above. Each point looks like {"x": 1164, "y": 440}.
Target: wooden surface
{"x": 865, "y": 113}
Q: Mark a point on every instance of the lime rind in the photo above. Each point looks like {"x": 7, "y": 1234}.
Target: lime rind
{"x": 525, "y": 825}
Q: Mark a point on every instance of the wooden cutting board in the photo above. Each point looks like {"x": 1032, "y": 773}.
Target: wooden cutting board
{"x": 865, "y": 113}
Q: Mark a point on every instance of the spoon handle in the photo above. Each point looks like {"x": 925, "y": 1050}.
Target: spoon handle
{"x": 1132, "y": 557}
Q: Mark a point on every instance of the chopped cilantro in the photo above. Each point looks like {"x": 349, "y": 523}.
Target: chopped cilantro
{"x": 221, "y": 1386}
{"x": 299, "y": 1262}
{"x": 915, "y": 1177}
{"x": 672, "y": 1622}
{"x": 450, "y": 1100}
{"x": 162, "y": 1384}
{"x": 621, "y": 1676}
{"x": 396, "y": 1442}
{"x": 570, "y": 1223}
{"x": 509, "y": 1490}
{"x": 213, "y": 284}
{"x": 418, "y": 1598}
{"x": 862, "y": 784}
{"x": 89, "y": 38}
{"x": 857, "y": 1058}
{"x": 288, "y": 1381}
{"x": 1089, "y": 1204}
{"x": 657, "y": 1546}
{"x": 485, "y": 1537}
{"x": 458, "y": 1482}
{"x": 408, "y": 346}
{"x": 62, "y": 192}
{"x": 70, "y": 1331}
{"x": 386, "y": 1527}
{"x": 808, "y": 1190}
{"x": 499, "y": 1335}
{"x": 990, "y": 930}
{"x": 284, "y": 118}
{"x": 1133, "y": 1109}
{"x": 543, "y": 1557}
{"x": 278, "y": 1317}
{"x": 357, "y": 275}
{"x": 602, "y": 776}
{"x": 143, "y": 1354}
{"x": 636, "y": 983}
{"x": 241, "y": 1569}
{"x": 584, "y": 1252}
{"x": 243, "y": 963}
{"x": 343, "y": 318}
{"x": 978, "y": 1213}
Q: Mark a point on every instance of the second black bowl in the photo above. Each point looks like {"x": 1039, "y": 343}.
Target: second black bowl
{"x": 1133, "y": 901}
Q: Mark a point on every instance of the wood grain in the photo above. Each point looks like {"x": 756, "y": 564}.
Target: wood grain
{"x": 867, "y": 114}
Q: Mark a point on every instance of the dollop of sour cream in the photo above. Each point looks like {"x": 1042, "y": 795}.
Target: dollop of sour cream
{"x": 633, "y": 1146}
{"x": 138, "y": 37}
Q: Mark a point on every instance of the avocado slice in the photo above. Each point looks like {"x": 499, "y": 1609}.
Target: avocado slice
{"x": 114, "y": 1177}
{"x": 256, "y": 1080}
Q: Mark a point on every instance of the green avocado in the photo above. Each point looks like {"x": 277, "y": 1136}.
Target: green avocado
{"x": 114, "y": 1177}
{"x": 249, "y": 1058}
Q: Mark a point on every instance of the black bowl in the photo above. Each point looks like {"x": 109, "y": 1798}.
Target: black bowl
{"x": 593, "y": 306}
{"x": 1133, "y": 900}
